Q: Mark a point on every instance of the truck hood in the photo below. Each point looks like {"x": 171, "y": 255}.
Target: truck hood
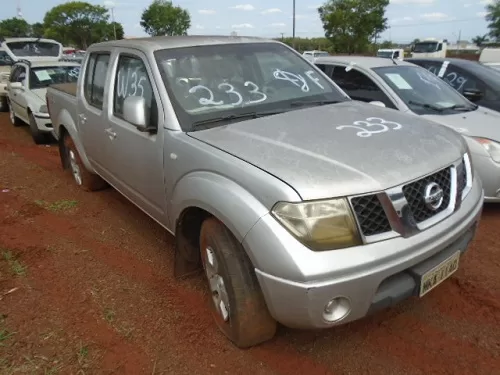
{"x": 306, "y": 148}
{"x": 483, "y": 122}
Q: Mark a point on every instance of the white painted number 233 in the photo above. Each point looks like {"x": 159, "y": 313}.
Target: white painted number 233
{"x": 371, "y": 122}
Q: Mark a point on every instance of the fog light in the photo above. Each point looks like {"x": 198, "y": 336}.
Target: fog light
{"x": 337, "y": 309}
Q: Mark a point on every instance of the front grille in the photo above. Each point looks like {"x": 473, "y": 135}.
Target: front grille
{"x": 371, "y": 215}
{"x": 461, "y": 177}
{"x": 414, "y": 194}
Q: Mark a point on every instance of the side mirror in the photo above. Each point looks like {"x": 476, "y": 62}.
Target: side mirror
{"x": 16, "y": 85}
{"x": 377, "y": 103}
{"x": 135, "y": 111}
{"x": 473, "y": 94}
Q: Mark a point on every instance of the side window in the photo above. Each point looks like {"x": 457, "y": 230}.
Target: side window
{"x": 95, "y": 79}
{"x": 14, "y": 74}
{"x": 327, "y": 69}
{"x": 132, "y": 80}
{"x": 89, "y": 74}
{"x": 359, "y": 87}
{"x": 21, "y": 77}
{"x": 396, "y": 54}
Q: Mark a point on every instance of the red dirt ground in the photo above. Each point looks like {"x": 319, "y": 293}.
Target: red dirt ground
{"x": 92, "y": 292}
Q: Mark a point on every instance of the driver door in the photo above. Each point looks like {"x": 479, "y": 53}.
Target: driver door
{"x": 17, "y": 96}
{"x": 137, "y": 169}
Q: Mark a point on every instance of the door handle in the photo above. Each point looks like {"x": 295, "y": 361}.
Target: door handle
{"x": 82, "y": 118}
{"x": 111, "y": 133}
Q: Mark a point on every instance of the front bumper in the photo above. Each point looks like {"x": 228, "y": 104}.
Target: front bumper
{"x": 43, "y": 121}
{"x": 297, "y": 283}
{"x": 489, "y": 172}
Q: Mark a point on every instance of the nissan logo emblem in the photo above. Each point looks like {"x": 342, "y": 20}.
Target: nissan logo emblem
{"x": 433, "y": 196}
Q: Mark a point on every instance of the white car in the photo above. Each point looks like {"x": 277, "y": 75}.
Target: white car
{"x": 5, "y": 64}
{"x": 26, "y": 93}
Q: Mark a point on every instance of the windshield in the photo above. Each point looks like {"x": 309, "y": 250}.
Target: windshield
{"x": 386, "y": 54}
{"x": 321, "y": 54}
{"x": 425, "y": 47}
{"x": 42, "y": 77}
{"x": 5, "y": 59}
{"x": 34, "y": 49}
{"x": 208, "y": 82}
{"x": 422, "y": 91}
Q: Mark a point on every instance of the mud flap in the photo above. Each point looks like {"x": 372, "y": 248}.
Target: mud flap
{"x": 186, "y": 258}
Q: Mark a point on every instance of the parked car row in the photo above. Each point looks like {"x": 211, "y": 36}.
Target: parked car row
{"x": 300, "y": 201}
{"x": 409, "y": 88}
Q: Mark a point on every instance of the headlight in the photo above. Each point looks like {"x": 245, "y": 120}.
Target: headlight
{"x": 491, "y": 147}
{"x": 43, "y": 109}
{"x": 319, "y": 225}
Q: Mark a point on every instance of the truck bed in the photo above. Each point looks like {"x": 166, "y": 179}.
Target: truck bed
{"x": 68, "y": 88}
{"x": 62, "y": 102}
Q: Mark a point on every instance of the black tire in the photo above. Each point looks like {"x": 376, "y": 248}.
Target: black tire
{"x": 14, "y": 120}
{"x": 38, "y": 136}
{"x": 249, "y": 321}
{"x": 4, "y": 105}
{"x": 87, "y": 181}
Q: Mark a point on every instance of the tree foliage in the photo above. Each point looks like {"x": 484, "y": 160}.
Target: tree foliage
{"x": 493, "y": 18}
{"x": 14, "y": 27}
{"x": 163, "y": 18}
{"x": 480, "y": 40}
{"x": 77, "y": 22}
{"x": 351, "y": 24}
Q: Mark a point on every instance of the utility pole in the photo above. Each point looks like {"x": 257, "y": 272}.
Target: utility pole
{"x": 282, "y": 36}
{"x": 113, "y": 20}
{"x": 293, "y": 27}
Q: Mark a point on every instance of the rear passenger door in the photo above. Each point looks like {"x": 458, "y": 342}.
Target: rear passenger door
{"x": 92, "y": 106}
{"x": 137, "y": 155}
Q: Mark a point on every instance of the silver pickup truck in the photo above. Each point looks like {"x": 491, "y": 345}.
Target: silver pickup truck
{"x": 302, "y": 206}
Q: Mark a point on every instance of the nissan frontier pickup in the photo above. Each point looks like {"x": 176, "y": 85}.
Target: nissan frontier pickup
{"x": 300, "y": 205}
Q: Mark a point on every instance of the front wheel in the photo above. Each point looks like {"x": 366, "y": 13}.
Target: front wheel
{"x": 38, "y": 136}
{"x": 14, "y": 120}
{"x": 84, "y": 179}
{"x": 237, "y": 303}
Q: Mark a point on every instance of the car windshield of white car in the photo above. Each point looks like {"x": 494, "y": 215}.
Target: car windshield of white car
{"x": 422, "y": 91}
{"x": 213, "y": 81}
{"x": 42, "y": 77}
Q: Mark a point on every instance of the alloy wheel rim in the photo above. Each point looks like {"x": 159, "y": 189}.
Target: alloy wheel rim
{"x": 216, "y": 283}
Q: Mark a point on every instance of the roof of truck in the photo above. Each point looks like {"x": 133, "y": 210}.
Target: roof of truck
{"x": 165, "y": 42}
{"x": 42, "y": 63}
{"x": 364, "y": 61}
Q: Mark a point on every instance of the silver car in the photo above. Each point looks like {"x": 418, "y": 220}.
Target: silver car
{"x": 302, "y": 206}
{"x": 414, "y": 90}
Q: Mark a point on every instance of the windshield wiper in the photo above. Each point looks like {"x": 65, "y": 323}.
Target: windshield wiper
{"x": 426, "y": 105}
{"x": 253, "y": 114}
{"x": 461, "y": 107}
{"x": 313, "y": 102}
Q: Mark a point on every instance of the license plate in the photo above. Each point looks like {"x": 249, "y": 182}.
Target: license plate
{"x": 438, "y": 274}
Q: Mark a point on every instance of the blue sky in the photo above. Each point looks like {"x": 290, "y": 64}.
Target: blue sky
{"x": 409, "y": 19}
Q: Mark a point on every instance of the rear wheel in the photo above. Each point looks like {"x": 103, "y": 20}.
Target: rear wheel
{"x": 236, "y": 300}
{"x": 86, "y": 180}
{"x": 38, "y": 136}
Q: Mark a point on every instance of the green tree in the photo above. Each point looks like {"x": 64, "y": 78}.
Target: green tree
{"x": 480, "y": 39}
{"x": 351, "y": 24}
{"x": 76, "y": 22}
{"x": 14, "y": 27}
{"x": 107, "y": 31}
{"x": 163, "y": 18}
{"x": 37, "y": 30}
{"x": 493, "y": 18}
